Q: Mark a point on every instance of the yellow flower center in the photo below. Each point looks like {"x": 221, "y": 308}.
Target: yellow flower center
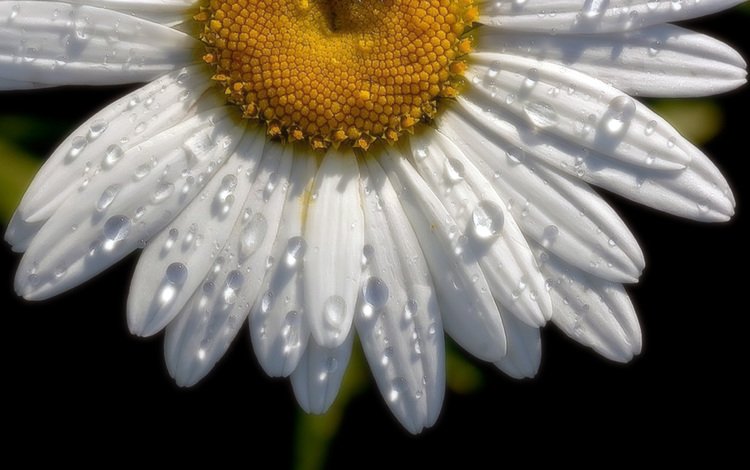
{"x": 337, "y": 71}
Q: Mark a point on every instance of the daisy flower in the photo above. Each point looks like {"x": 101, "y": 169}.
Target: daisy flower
{"x": 394, "y": 169}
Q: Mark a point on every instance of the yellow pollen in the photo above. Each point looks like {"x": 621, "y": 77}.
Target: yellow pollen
{"x": 337, "y": 71}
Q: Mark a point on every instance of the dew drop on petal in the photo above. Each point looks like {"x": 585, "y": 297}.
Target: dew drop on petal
{"x": 177, "y": 274}
{"x": 295, "y": 251}
{"x": 290, "y": 332}
{"x": 116, "y": 228}
{"x": 398, "y": 388}
{"x": 97, "y": 128}
{"x": 334, "y": 312}
{"x": 162, "y": 192}
{"x": 619, "y": 114}
{"x": 410, "y": 309}
{"x": 541, "y": 115}
{"x": 107, "y": 197}
{"x": 454, "y": 170}
{"x": 375, "y": 292}
{"x": 112, "y": 155}
{"x": 252, "y": 235}
{"x": 487, "y": 220}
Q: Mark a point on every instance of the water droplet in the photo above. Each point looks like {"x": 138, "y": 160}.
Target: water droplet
{"x": 332, "y": 364}
{"x": 619, "y": 114}
{"x": 177, "y": 274}
{"x": 107, "y": 197}
{"x": 650, "y": 128}
{"x": 266, "y": 302}
{"x": 295, "y": 251}
{"x": 112, "y": 155}
{"x": 228, "y": 184}
{"x": 487, "y": 220}
{"x": 290, "y": 331}
{"x": 162, "y": 192}
{"x": 540, "y": 115}
{"x": 233, "y": 284}
{"x": 334, "y": 313}
{"x": 454, "y": 170}
{"x": 549, "y": 235}
{"x": 76, "y": 147}
{"x": 116, "y": 228}
{"x": 97, "y": 128}
{"x": 398, "y": 387}
{"x": 494, "y": 69}
{"x": 252, "y": 235}
{"x": 410, "y": 309}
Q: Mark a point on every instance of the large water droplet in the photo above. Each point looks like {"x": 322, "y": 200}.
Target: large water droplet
{"x": 177, "y": 273}
{"x": 295, "y": 251}
{"x": 334, "y": 313}
{"x": 398, "y": 388}
{"x": 290, "y": 332}
{"x": 375, "y": 295}
{"x": 162, "y": 192}
{"x": 97, "y": 128}
{"x": 107, "y": 197}
{"x": 116, "y": 228}
{"x": 541, "y": 115}
{"x": 487, "y": 220}
{"x": 76, "y": 147}
{"x": 235, "y": 279}
{"x": 112, "y": 155}
{"x": 619, "y": 114}
{"x": 252, "y": 235}
{"x": 453, "y": 170}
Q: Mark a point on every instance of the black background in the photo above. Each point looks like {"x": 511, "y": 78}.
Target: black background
{"x": 74, "y": 380}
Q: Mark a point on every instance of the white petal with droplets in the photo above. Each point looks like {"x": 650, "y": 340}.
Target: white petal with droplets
{"x": 698, "y": 192}
{"x": 559, "y": 212}
{"x": 495, "y": 239}
{"x": 317, "y": 378}
{"x": 108, "y": 218}
{"x": 166, "y": 12}
{"x": 469, "y": 312}
{"x": 278, "y": 322}
{"x": 592, "y": 311}
{"x": 593, "y": 16}
{"x": 557, "y": 100}
{"x": 334, "y": 234}
{"x": 397, "y": 318}
{"x": 94, "y": 149}
{"x": 204, "y": 329}
{"x": 62, "y": 44}
{"x": 190, "y": 240}
{"x": 663, "y": 60}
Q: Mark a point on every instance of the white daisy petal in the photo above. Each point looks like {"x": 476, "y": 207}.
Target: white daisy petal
{"x": 564, "y": 102}
{"x": 592, "y": 311}
{"x": 562, "y": 214}
{"x": 334, "y": 234}
{"x": 61, "y": 44}
{"x": 502, "y": 251}
{"x": 524, "y": 349}
{"x": 398, "y": 319}
{"x": 99, "y": 144}
{"x": 469, "y": 312}
{"x": 174, "y": 264}
{"x": 278, "y": 323}
{"x": 205, "y": 328}
{"x": 698, "y": 192}
{"x": 166, "y": 12}
{"x": 6, "y": 84}
{"x": 663, "y": 60}
{"x": 593, "y": 16}
{"x": 317, "y": 378}
{"x": 110, "y": 217}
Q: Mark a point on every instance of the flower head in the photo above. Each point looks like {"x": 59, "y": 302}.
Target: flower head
{"x": 394, "y": 168}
